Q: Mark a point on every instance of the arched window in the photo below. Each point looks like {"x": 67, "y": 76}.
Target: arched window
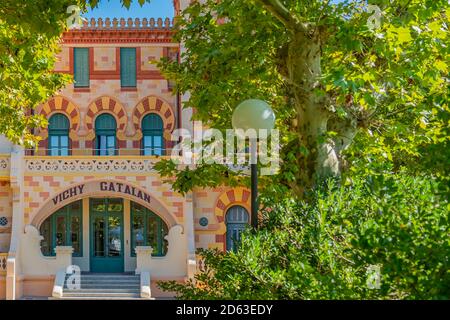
{"x": 58, "y": 135}
{"x": 63, "y": 228}
{"x": 105, "y": 130}
{"x": 237, "y": 220}
{"x": 147, "y": 229}
{"x": 152, "y": 130}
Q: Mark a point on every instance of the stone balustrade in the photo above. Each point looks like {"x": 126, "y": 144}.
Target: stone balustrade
{"x": 126, "y": 24}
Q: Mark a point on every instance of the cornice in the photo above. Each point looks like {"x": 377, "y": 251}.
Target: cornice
{"x": 121, "y": 31}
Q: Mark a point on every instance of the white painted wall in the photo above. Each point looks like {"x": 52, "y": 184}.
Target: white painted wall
{"x": 33, "y": 262}
{"x": 174, "y": 264}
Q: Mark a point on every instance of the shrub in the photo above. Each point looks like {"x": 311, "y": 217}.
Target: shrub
{"x": 324, "y": 249}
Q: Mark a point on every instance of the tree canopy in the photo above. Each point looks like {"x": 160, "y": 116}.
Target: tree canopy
{"x": 333, "y": 81}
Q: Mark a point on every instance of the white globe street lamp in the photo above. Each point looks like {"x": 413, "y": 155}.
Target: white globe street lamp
{"x": 257, "y": 115}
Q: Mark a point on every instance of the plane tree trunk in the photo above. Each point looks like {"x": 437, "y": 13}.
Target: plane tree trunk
{"x": 319, "y": 155}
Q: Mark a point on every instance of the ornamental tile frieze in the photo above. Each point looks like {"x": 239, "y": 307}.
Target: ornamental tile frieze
{"x": 4, "y": 164}
{"x": 5, "y": 167}
{"x": 90, "y": 166}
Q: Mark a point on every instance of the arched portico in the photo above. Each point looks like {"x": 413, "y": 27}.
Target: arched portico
{"x": 104, "y": 220}
{"x": 103, "y": 188}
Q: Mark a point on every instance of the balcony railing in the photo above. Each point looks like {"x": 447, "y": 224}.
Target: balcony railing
{"x": 88, "y": 161}
{"x": 110, "y": 152}
{"x": 91, "y": 164}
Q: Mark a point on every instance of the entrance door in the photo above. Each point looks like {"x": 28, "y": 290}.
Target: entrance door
{"x": 106, "y": 235}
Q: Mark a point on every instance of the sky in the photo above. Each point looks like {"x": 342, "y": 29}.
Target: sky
{"x": 114, "y": 9}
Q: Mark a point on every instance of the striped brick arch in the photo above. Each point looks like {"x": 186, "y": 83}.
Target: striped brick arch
{"x": 152, "y": 104}
{"x": 62, "y": 105}
{"x": 59, "y": 104}
{"x": 237, "y": 196}
{"x": 234, "y": 197}
{"x": 110, "y": 105}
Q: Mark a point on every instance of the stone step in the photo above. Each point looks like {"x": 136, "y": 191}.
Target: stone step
{"x": 100, "y": 298}
{"x": 107, "y": 277}
{"x": 101, "y": 295}
{"x": 102, "y": 290}
{"x": 104, "y": 286}
{"x": 112, "y": 285}
{"x": 96, "y": 287}
{"x": 82, "y": 280}
{"x": 137, "y": 281}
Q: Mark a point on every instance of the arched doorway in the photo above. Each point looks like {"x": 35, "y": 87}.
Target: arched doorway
{"x": 104, "y": 232}
{"x": 236, "y": 219}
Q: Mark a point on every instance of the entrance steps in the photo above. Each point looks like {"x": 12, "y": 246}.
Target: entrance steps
{"x": 104, "y": 286}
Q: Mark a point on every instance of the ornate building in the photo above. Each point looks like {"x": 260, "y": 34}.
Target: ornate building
{"x": 89, "y": 196}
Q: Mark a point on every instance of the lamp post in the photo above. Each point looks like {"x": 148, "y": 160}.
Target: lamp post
{"x": 257, "y": 115}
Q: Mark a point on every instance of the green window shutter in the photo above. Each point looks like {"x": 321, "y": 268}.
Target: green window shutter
{"x": 128, "y": 67}
{"x": 81, "y": 67}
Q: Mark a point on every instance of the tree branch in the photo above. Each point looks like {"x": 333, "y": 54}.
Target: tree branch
{"x": 276, "y": 8}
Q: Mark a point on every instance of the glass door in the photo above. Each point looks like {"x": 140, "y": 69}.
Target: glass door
{"x": 106, "y": 241}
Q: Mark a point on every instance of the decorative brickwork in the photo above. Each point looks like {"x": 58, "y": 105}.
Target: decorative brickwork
{"x": 238, "y": 196}
{"x": 40, "y": 189}
{"x": 153, "y": 104}
{"x": 109, "y": 105}
{"x": 60, "y": 104}
{"x": 213, "y": 204}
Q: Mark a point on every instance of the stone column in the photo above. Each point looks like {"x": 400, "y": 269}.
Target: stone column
{"x": 64, "y": 256}
{"x": 16, "y": 177}
{"x": 64, "y": 259}
{"x": 143, "y": 258}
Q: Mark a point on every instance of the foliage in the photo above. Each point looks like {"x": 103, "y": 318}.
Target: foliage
{"x": 28, "y": 44}
{"x": 203, "y": 176}
{"x": 322, "y": 250}
{"x": 328, "y": 76}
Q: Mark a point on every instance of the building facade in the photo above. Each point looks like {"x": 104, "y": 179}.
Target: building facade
{"x": 89, "y": 196}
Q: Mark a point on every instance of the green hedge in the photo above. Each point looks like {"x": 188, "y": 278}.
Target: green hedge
{"x": 329, "y": 249}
